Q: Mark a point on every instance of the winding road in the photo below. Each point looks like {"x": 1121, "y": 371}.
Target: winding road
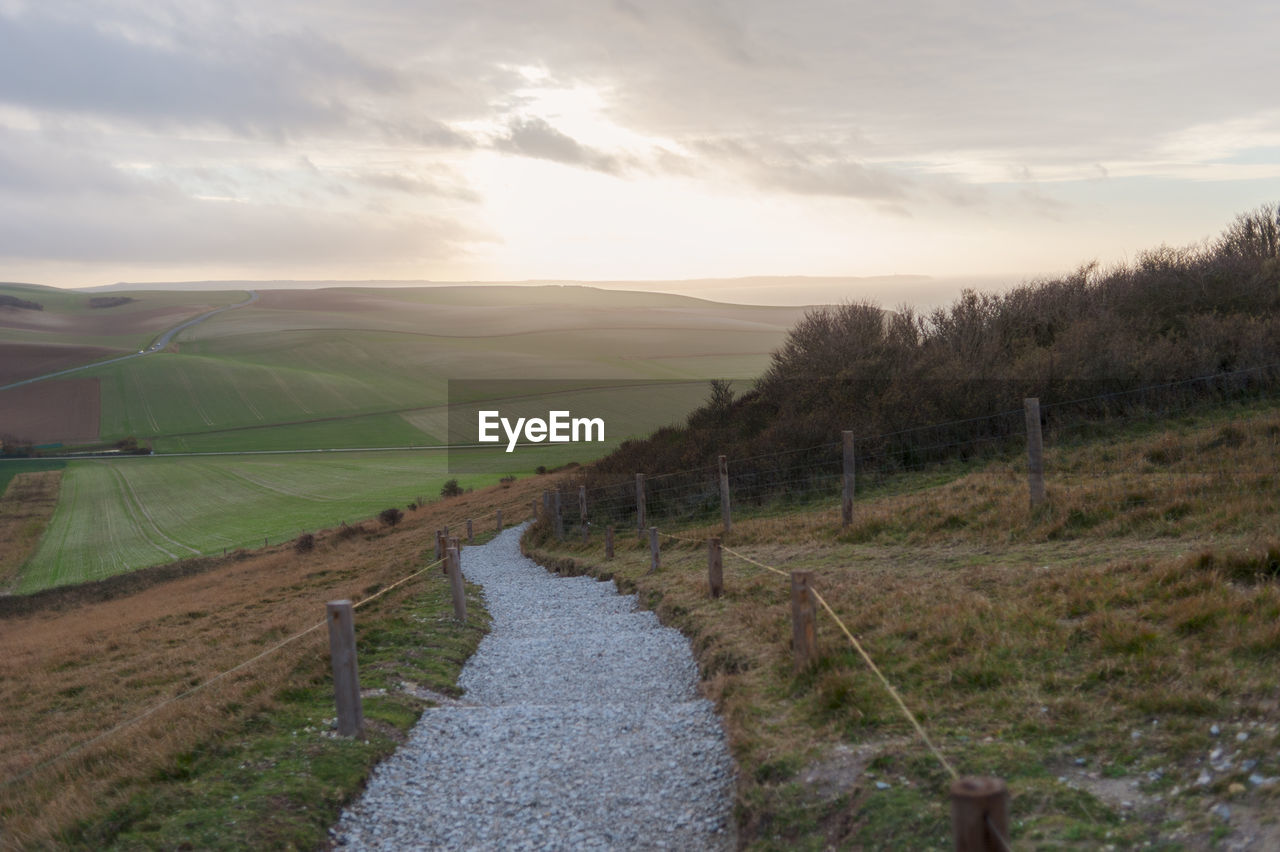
{"x": 160, "y": 343}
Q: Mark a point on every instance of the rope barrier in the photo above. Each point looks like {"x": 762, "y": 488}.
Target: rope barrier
{"x": 158, "y": 707}
{"x": 857, "y": 646}
{"x": 888, "y": 686}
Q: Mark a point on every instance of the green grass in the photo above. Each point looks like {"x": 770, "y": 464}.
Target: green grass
{"x": 120, "y": 514}
{"x": 280, "y": 781}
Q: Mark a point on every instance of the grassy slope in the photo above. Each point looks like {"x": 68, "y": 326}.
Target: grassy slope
{"x": 1082, "y": 652}
{"x": 76, "y": 666}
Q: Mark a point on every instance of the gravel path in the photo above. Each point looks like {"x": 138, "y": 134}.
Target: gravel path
{"x": 581, "y": 728}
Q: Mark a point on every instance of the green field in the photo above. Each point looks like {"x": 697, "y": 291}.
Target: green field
{"x": 119, "y": 514}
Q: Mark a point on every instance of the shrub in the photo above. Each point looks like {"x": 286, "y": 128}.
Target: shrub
{"x": 346, "y": 531}
{"x": 451, "y": 489}
{"x": 506, "y": 481}
{"x": 304, "y": 543}
{"x": 391, "y": 516}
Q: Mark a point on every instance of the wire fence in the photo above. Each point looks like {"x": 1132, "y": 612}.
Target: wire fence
{"x": 806, "y": 475}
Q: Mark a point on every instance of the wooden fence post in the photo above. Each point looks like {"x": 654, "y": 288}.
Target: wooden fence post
{"x": 459, "y": 591}
{"x": 440, "y": 548}
{"x": 582, "y": 511}
{"x": 608, "y": 542}
{"x": 498, "y": 524}
{"x": 640, "y": 508}
{"x": 654, "y": 559}
{"x": 846, "y": 501}
{"x": 980, "y": 814}
{"x": 470, "y": 535}
{"x": 804, "y": 638}
{"x": 715, "y": 568}
{"x": 346, "y": 674}
{"x": 1035, "y": 451}
{"x": 535, "y": 509}
{"x": 559, "y": 517}
{"x": 546, "y": 504}
{"x": 726, "y": 516}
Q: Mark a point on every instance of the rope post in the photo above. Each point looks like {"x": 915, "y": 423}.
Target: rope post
{"x": 846, "y": 500}
{"x": 498, "y": 522}
{"x": 640, "y": 513}
{"x": 534, "y": 505}
{"x": 346, "y": 674}
{"x": 470, "y": 535}
{"x": 559, "y": 517}
{"x": 804, "y": 635}
{"x": 582, "y": 511}
{"x": 980, "y": 814}
{"x": 440, "y": 548}
{"x": 715, "y": 568}
{"x": 454, "y": 566}
{"x": 608, "y": 542}
{"x": 546, "y": 504}
{"x": 654, "y": 560}
{"x": 1035, "y": 451}
{"x": 726, "y": 517}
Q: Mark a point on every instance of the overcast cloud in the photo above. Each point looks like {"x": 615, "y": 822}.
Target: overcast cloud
{"x": 394, "y": 138}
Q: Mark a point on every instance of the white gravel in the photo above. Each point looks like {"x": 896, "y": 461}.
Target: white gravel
{"x": 581, "y": 728}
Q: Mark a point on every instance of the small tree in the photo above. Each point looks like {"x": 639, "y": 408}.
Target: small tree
{"x": 451, "y": 489}
{"x": 390, "y": 517}
{"x": 304, "y": 543}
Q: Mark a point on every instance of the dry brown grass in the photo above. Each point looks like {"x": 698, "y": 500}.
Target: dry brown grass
{"x": 25, "y": 510}
{"x": 70, "y": 673}
{"x": 1143, "y": 598}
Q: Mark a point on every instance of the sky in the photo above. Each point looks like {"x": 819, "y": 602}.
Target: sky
{"x": 456, "y": 140}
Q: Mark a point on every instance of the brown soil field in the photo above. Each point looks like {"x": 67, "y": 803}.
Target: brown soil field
{"x": 25, "y": 510}
{"x": 90, "y": 323}
{"x": 81, "y": 660}
{"x": 65, "y": 410}
{"x": 20, "y": 361}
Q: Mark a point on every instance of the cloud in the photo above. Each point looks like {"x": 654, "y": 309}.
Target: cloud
{"x": 534, "y": 137}
{"x": 251, "y": 83}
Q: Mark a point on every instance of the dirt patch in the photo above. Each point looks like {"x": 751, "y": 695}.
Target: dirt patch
{"x": 25, "y": 510}
{"x": 20, "y": 361}
{"x": 62, "y": 410}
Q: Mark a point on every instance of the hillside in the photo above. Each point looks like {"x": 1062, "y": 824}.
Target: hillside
{"x": 297, "y": 376}
{"x": 1112, "y": 654}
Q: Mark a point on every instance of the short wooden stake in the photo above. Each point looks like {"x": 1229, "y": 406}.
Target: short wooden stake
{"x": 582, "y": 511}
{"x": 726, "y": 517}
{"x": 608, "y": 542}
{"x": 715, "y": 568}
{"x": 470, "y": 534}
{"x": 535, "y": 509}
{"x": 1035, "y": 451}
{"x": 640, "y": 513}
{"x": 442, "y": 550}
{"x": 846, "y": 497}
{"x": 559, "y": 517}
{"x": 980, "y": 814}
{"x": 454, "y": 564}
{"x": 498, "y": 522}
{"x": 439, "y": 546}
{"x": 654, "y": 559}
{"x": 346, "y": 674}
{"x": 804, "y": 638}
